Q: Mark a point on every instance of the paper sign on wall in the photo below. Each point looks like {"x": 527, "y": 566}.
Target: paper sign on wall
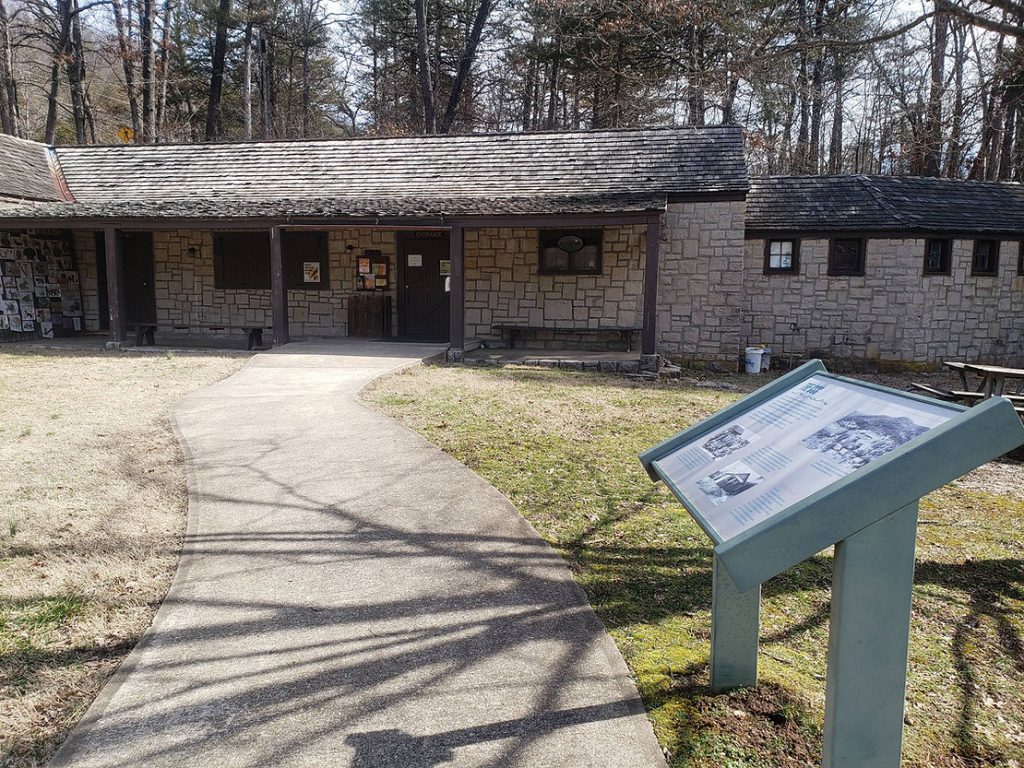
{"x": 446, "y": 266}
{"x": 415, "y": 259}
{"x": 311, "y": 271}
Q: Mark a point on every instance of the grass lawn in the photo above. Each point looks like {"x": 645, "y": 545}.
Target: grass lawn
{"x": 563, "y": 447}
{"x": 93, "y": 490}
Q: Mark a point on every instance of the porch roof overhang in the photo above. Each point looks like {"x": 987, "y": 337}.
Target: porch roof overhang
{"x": 393, "y": 212}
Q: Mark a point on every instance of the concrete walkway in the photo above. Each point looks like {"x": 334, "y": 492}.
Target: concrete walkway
{"x": 350, "y": 596}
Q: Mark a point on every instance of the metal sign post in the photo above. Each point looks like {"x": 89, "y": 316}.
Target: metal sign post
{"x": 815, "y": 460}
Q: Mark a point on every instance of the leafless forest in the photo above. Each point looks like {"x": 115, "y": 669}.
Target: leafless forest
{"x": 821, "y": 86}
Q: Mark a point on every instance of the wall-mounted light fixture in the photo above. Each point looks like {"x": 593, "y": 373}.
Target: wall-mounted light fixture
{"x": 349, "y": 248}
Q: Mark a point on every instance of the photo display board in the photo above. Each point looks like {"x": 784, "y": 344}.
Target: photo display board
{"x": 780, "y": 452}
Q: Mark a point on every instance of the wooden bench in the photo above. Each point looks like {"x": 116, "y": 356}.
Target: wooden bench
{"x": 146, "y": 332}
{"x": 625, "y": 334}
{"x": 951, "y": 395}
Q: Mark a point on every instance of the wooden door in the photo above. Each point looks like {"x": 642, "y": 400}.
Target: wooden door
{"x": 139, "y": 288}
{"x": 423, "y": 286}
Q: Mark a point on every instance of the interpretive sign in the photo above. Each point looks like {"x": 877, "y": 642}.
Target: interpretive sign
{"x": 779, "y": 452}
{"x": 810, "y": 461}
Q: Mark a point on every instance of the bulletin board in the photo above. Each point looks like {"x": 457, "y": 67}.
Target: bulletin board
{"x": 40, "y": 292}
{"x": 373, "y": 272}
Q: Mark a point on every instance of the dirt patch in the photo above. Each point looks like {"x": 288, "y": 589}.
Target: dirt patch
{"x": 90, "y": 530}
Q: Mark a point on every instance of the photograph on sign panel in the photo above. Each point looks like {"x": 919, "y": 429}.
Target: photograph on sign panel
{"x": 730, "y": 481}
{"x": 728, "y": 441}
{"x": 858, "y": 438}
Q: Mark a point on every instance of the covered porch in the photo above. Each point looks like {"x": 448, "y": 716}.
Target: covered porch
{"x": 469, "y": 282}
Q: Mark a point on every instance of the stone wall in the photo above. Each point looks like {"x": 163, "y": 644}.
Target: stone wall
{"x": 893, "y": 312}
{"x": 85, "y": 250}
{"x": 186, "y": 295}
{"x": 504, "y": 285}
{"x": 700, "y": 283}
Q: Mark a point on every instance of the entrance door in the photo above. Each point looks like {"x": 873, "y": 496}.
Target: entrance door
{"x": 423, "y": 285}
{"x": 139, "y": 289}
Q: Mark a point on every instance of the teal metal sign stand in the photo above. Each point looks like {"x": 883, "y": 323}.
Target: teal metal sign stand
{"x": 810, "y": 461}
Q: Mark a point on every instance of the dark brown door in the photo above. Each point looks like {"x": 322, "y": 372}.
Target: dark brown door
{"x": 423, "y": 286}
{"x": 139, "y": 290}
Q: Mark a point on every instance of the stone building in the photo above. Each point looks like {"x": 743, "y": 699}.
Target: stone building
{"x": 653, "y": 240}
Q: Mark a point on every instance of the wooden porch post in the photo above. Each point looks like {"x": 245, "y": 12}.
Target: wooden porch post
{"x": 648, "y": 341}
{"x": 457, "y": 315}
{"x": 278, "y": 289}
{"x": 114, "y": 257}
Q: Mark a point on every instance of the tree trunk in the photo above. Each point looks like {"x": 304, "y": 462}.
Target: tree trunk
{"x": 932, "y": 134}
{"x": 164, "y": 63}
{"x": 266, "y": 104}
{"x": 835, "y": 145}
{"x": 124, "y": 49}
{"x": 75, "y": 68}
{"x": 220, "y": 49}
{"x": 466, "y": 63}
{"x": 556, "y": 63}
{"x": 9, "y": 117}
{"x": 423, "y": 69}
{"x": 247, "y": 81}
{"x": 146, "y": 25}
{"x": 954, "y": 151}
{"x": 61, "y": 51}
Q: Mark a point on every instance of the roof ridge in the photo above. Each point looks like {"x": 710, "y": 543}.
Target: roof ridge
{"x": 431, "y": 137}
{"x": 879, "y": 197}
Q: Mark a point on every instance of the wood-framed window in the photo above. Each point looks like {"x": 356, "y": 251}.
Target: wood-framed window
{"x": 781, "y": 255}
{"x": 241, "y": 260}
{"x": 570, "y": 251}
{"x": 846, "y": 256}
{"x": 306, "y": 260}
{"x": 985, "y": 260}
{"x": 938, "y": 252}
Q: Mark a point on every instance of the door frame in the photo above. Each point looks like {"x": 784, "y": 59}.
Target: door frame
{"x": 402, "y": 240}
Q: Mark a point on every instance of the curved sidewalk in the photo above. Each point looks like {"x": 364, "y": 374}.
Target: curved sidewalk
{"x": 350, "y": 596}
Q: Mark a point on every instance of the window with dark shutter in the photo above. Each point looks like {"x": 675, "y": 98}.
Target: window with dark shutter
{"x": 937, "y": 252}
{"x": 306, "y": 260}
{"x": 846, "y": 256}
{"x": 241, "y": 260}
{"x": 986, "y": 257}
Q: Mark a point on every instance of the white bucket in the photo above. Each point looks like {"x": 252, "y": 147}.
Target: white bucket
{"x": 766, "y": 360}
{"x": 753, "y": 359}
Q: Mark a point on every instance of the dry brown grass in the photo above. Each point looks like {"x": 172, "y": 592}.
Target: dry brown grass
{"x": 93, "y": 490}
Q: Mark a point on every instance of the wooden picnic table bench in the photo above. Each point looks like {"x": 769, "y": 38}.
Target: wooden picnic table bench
{"x": 514, "y": 329}
{"x": 146, "y": 332}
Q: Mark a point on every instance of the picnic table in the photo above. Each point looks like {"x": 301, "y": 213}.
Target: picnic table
{"x": 991, "y": 381}
{"x": 994, "y": 378}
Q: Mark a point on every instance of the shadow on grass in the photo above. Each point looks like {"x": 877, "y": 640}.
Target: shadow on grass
{"x": 645, "y": 585}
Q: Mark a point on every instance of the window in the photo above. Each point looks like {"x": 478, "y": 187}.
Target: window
{"x": 242, "y": 260}
{"x": 1020, "y": 258}
{"x": 306, "y": 260}
{"x": 574, "y": 252}
{"x": 781, "y": 255}
{"x": 846, "y": 256}
{"x": 986, "y": 257}
{"x": 937, "y": 254}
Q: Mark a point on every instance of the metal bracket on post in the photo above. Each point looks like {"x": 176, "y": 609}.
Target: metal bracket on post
{"x": 735, "y": 623}
{"x": 869, "y": 632}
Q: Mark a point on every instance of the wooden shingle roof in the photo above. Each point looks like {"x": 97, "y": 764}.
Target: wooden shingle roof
{"x": 865, "y": 203}
{"x": 569, "y": 172}
{"x": 26, "y": 171}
